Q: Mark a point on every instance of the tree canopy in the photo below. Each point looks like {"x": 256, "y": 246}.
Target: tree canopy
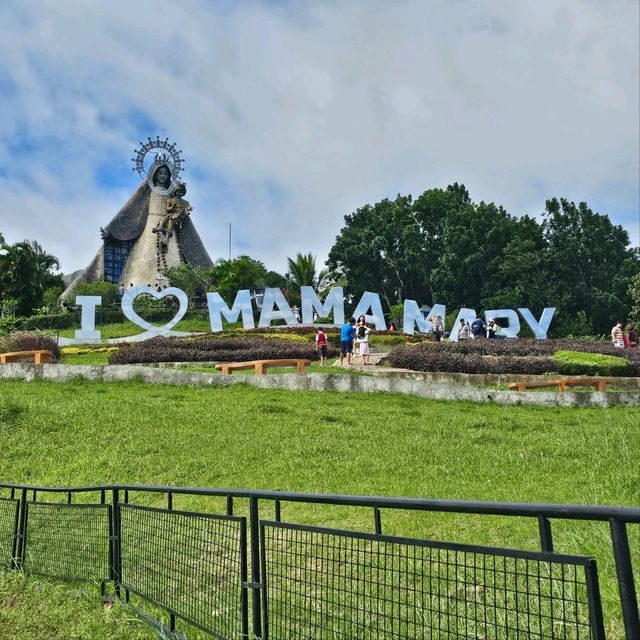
{"x": 443, "y": 247}
{"x": 26, "y": 272}
{"x": 305, "y": 274}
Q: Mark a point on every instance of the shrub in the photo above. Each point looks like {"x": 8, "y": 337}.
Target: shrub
{"x": 385, "y": 339}
{"x": 592, "y": 364}
{"x": 9, "y": 324}
{"x": 53, "y": 321}
{"x": 107, "y": 290}
{"x": 428, "y": 357}
{"x": 504, "y": 356}
{"x": 210, "y": 348}
{"x": 29, "y": 341}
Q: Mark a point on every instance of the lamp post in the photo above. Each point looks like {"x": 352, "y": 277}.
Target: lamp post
{"x": 286, "y": 275}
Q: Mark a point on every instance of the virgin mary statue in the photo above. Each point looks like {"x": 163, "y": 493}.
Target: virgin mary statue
{"x": 152, "y": 231}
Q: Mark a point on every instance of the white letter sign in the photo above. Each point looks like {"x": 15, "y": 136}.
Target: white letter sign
{"x": 218, "y": 308}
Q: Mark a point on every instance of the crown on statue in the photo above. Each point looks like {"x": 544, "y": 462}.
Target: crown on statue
{"x": 165, "y": 153}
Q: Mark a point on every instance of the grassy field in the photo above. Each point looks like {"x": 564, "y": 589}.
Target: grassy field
{"x": 127, "y": 328}
{"x": 375, "y": 444}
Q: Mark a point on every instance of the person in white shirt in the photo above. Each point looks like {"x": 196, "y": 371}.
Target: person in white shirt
{"x": 464, "y": 330}
{"x": 362, "y": 339}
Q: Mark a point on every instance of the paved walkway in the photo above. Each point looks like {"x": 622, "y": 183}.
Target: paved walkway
{"x": 357, "y": 362}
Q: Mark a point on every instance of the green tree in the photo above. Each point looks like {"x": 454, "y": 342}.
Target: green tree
{"x": 51, "y": 298}
{"x": 228, "y": 276}
{"x": 26, "y": 272}
{"x": 305, "y": 274}
{"x": 590, "y": 262}
{"x": 431, "y": 210}
{"x": 275, "y": 279}
{"x": 381, "y": 248}
{"x": 108, "y": 291}
{"x": 474, "y": 238}
{"x": 192, "y": 280}
{"x": 521, "y": 277}
{"x": 634, "y": 294}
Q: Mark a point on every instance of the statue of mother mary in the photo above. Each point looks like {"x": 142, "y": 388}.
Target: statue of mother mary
{"x": 151, "y": 232}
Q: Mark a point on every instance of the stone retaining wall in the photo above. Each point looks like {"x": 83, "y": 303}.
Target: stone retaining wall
{"x": 469, "y": 379}
{"x": 316, "y": 382}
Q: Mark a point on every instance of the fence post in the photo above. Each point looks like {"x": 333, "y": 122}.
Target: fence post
{"x": 22, "y": 526}
{"x": 377, "y": 520}
{"x": 18, "y": 543}
{"x": 626, "y": 585}
{"x": 546, "y": 538}
{"x": 115, "y": 569}
{"x": 254, "y": 524}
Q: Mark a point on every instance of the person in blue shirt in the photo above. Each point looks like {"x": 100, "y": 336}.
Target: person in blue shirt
{"x": 347, "y": 335}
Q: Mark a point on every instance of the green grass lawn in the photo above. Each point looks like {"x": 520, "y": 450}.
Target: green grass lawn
{"x": 373, "y": 444}
{"x": 127, "y": 328}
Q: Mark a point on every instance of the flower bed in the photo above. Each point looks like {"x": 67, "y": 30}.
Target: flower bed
{"x": 506, "y": 356}
{"x": 219, "y": 349}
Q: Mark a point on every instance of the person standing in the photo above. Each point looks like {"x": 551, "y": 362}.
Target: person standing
{"x": 321, "y": 345}
{"x": 362, "y": 339}
{"x": 478, "y": 328}
{"x": 347, "y": 335}
{"x": 356, "y": 344}
{"x": 464, "y": 331}
{"x": 492, "y": 328}
{"x": 437, "y": 329}
{"x": 633, "y": 336}
{"x": 617, "y": 337}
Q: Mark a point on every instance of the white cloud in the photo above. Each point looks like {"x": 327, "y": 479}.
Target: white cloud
{"x": 291, "y": 115}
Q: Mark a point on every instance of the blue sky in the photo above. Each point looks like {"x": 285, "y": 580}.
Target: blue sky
{"x": 292, "y": 115}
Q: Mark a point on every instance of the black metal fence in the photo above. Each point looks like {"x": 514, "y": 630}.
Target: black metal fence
{"x": 241, "y": 576}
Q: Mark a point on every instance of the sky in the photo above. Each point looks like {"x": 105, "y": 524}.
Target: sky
{"x": 291, "y": 115}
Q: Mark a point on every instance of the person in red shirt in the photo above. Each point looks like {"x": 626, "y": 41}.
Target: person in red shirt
{"x": 321, "y": 346}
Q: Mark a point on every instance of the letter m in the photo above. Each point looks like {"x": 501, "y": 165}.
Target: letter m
{"x": 219, "y": 308}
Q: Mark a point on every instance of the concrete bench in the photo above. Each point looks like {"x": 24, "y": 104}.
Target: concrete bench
{"x": 599, "y": 384}
{"x": 39, "y": 356}
{"x": 261, "y": 366}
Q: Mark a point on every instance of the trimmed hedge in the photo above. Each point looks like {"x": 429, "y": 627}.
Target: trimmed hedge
{"x": 505, "y": 356}
{"x": 239, "y": 349}
{"x": 420, "y": 358}
{"x": 591, "y": 364}
{"x": 29, "y": 341}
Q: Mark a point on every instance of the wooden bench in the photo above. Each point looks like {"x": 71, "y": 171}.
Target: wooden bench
{"x": 39, "y": 356}
{"x": 261, "y": 366}
{"x": 599, "y": 384}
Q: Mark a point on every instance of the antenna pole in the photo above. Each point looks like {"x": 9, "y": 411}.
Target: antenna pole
{"x": 229, "y": 239}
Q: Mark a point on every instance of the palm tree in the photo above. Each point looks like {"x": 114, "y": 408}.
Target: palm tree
{"x": 303, "y": 273}
{"x": 26, "y": 271}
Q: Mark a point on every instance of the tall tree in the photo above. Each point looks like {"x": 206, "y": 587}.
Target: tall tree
{"x": 591, "y": 264}
{"x": 521, "y": 277}
{"x": 443, "y": 247}
{"x": 26, "y": 272}
{"x": 305, "y": 274}
{"x": 381, "y": 248}
{"x": 228, "y": 276}
{"x": 474, "y": 237}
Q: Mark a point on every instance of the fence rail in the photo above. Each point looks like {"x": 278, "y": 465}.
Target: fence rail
{"x": 237, "y": 576}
